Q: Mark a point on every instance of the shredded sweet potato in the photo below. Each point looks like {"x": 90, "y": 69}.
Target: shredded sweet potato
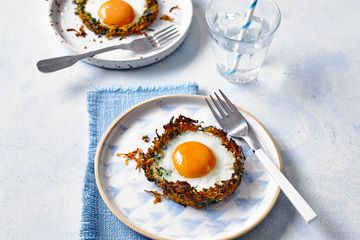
{"x": 166, "y": 18}
{"x": 157, "y": 196}
{"x": 145, "y": 138}
{"x": 79, "y": 33}
{"x": 136, "y": 155}
{"x": 181, "y": 191}
{"x": 174, "y": 8}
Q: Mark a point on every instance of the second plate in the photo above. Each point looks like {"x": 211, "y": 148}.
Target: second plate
{"x": 62, "y": 18}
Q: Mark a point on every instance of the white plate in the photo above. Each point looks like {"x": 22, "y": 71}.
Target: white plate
{"x": 62, "y": 17}
{"x": 122, "y": 187}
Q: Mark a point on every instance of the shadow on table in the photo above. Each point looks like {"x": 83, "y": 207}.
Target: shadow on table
{"x": 327, "y": 226}
{"x": 179, "y": 59}
{"x": 279, "y": 219}
{"x": 284, "y": 217}
{"x": 195, "y": 41}
{"x": 182, "y": 56}
{"x": 275, "y": 224}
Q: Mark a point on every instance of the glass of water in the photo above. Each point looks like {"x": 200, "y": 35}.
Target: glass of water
{"x": 239, "y": 56}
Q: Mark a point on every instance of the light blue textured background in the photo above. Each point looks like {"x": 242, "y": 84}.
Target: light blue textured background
{"x": 308, "y": 95}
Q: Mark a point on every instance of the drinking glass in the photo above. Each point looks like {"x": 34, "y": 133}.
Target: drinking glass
{"x": 239, "y": 56}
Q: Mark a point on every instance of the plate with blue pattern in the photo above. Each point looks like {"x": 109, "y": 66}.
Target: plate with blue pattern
{"x": 123, "y": 188}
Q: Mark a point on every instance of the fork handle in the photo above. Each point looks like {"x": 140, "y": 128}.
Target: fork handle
{"x": 296, "y": 199}
{"x": 55, "y": 64}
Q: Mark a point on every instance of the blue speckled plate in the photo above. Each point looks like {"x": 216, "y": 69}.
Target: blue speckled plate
{"x": 122, "y": 187}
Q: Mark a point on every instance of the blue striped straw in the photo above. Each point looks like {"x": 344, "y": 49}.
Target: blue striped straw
{"x": 246, "y": 24}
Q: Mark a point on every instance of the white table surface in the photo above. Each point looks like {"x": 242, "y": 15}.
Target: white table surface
{"x": 307, "y": 95}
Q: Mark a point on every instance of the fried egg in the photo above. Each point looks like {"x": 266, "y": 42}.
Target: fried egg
{"x": 198, "y": 158}
{"x": 113, "y": 18}
{"x": 194, "y": 165}
{"x": 115, "y": 12}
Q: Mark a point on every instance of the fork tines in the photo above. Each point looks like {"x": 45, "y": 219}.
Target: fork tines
{"x": 164, "y": 35}
{"x": 224, "y": 107}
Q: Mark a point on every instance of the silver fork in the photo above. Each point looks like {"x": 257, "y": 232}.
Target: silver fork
{"x": 232, "y": 121}
{"x": 141, "y": 45}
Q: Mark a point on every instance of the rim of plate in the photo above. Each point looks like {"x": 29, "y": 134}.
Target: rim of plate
{"x": 123, "y": 218}
{"x": 58, "y": 35}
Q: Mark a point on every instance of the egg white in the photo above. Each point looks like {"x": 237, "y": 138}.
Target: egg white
{"x": 224, "y": 160}
{"x": 92, "y": 6}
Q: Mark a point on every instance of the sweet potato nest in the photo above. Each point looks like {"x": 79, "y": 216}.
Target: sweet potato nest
{"x": 148, "y": 17}
{"x": 181, "y": 191}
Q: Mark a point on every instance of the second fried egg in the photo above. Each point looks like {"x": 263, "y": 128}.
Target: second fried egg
{"x": 115, "y": 12}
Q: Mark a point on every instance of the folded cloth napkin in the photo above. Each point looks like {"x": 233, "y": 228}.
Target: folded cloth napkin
{"x": 103, "y": 106}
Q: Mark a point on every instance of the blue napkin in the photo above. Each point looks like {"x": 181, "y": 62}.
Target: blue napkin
{"x": 104, "y": 106}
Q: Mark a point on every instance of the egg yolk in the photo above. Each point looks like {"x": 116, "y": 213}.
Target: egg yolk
{"x": 116, "y": 12}
{"x": 193, "y": 159}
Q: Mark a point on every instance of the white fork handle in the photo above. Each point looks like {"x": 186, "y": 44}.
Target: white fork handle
{"x": 295, "y": 198}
